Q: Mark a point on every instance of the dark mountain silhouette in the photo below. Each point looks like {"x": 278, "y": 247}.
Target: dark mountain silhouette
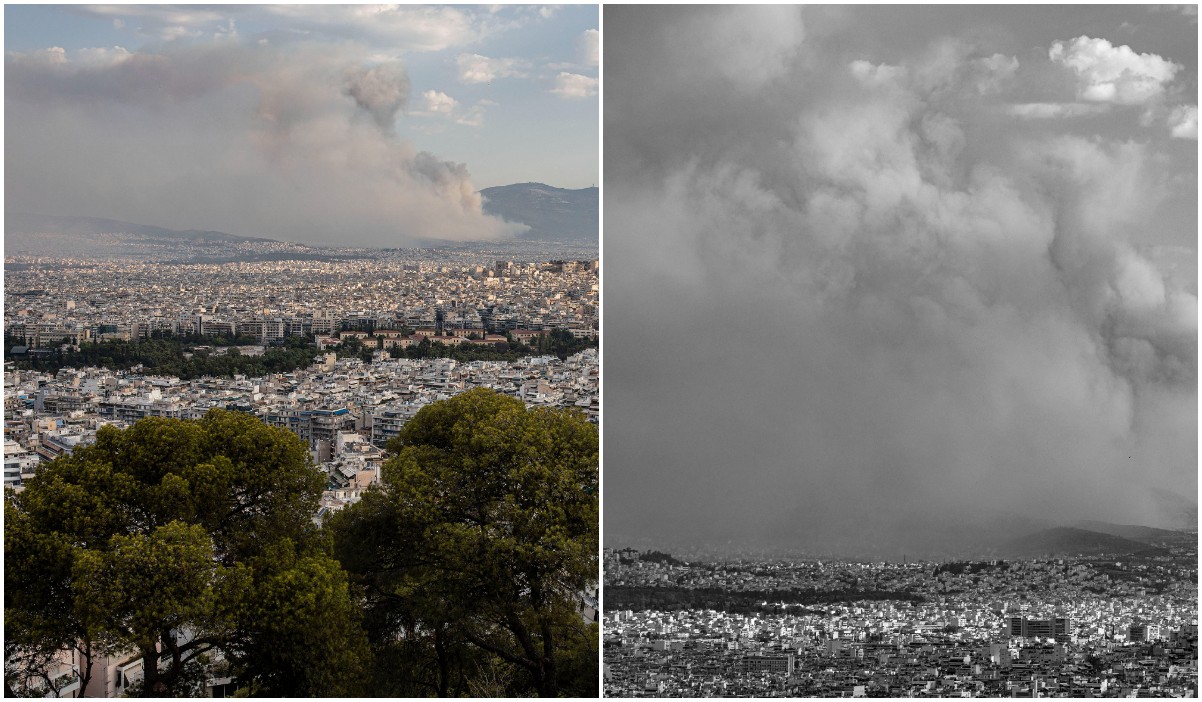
{"x": 1068, "y": 541}
{"x": 553, "y": 214}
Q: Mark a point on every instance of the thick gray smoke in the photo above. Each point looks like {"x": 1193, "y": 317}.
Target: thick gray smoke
{"x": 846, "y": 301}
{"x": 382, "y": 90}
{"x": 294, "y": 141}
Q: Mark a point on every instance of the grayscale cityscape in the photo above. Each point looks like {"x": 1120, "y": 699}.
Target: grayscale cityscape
{"x": 905, "y": 398}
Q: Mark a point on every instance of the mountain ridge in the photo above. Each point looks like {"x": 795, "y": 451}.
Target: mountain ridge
{"x": 27, "y": 223}
{"x": 1067, "y": 541}
{"x": 553, "y": 214}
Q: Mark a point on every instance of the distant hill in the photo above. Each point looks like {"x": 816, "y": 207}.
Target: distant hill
{"x": 1067, "y": 541}
{"x": 19, "y": 226}
{"x": 553, "y": 214}
{"x": 93, "y": 237}
{"x": 1143, "y": 534}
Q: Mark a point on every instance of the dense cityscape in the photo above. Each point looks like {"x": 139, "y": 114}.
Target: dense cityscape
{"x": 346, "y": 409}
{"x": 63, "y": 300}
{"x": 1072, "y": 626}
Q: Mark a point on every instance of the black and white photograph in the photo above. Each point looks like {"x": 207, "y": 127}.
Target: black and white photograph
{"x": 901, "y": 381}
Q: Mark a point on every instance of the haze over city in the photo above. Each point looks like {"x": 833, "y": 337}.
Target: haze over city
{"x": 939, "y": 283}
{"x": 352, "y": 125}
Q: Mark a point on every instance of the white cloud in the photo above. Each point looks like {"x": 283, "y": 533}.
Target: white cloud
{"x": 439, "y": 102}
{"x": 158, "y": 15}
{"x": 474, "y": 117}
{"x": 178, "y": 32}
{"x": 1183, "y": 122}
{"x": 400, "y": 27}
{"x": 440, "y": 105}
{"x": 588, "y": 45}
{"x": 1107, "y": 73}
{"x": 474, "y": 68}
{"x": 397, "y": 28}
{"x": 103, "y": 56}
{"x": 574, "y": 85}
{"x": 1050, "y": 110}
{"x": 54, "y": 55}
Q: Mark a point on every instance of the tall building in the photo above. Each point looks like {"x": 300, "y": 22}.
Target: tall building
{"x": 767, "y": 664}
{"x": 1062, "y": 629}
{"x": 1039, "y": 629}
{"x": 1059, "y": 628}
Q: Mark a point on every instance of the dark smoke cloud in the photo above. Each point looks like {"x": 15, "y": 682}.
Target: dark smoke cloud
{"x": 382, "y": 90}
{"x": 848, "y": 303}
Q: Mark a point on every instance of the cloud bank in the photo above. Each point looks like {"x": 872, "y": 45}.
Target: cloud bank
{"x": 294, "y": 140}
{"x": 867, "y": 312}
{"x": 474, "y": 68}
{"x": 574, "y": 85}
{"x": 1111, "y": 73}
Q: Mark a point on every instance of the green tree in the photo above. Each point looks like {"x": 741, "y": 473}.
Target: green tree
{"x": 481, "y": 542}
{"x": 175, "y": 540}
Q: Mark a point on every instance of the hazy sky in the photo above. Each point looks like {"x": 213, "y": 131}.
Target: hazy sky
{"x": 871, "y": 269}
{"x": 339, "y": 123}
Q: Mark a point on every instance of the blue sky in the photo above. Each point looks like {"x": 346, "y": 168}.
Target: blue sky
{"x": 372, "y": 114}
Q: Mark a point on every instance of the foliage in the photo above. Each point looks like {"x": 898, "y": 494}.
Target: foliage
{"x": 192, "y": 543}
{"x": 164, "y": 355}
{"x": 660, "y": 557}
{"x": 558, "y": 342}
{"x": 301, "y": 633}
{"x": 478, "y": 547}
{"x": 176, "y": 538}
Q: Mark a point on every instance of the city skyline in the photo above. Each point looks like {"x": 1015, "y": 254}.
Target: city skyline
{"x": 354, "y": 125}
{"x": 902, "y": 277}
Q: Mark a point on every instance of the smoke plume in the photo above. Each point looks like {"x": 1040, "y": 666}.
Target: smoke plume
{"x": 849, "y": 301}
{"x": 293, "y": 140}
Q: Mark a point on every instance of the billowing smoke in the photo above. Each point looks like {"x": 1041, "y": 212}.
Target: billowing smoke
{"x": 293, "y": 140}
{"x": 848, "y": 305}
{"x": 381, "y": 90}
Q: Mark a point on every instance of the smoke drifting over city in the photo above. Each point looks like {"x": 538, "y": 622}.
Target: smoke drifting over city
{"x": 275, "y": 141}
{"x": 874, "y": 275}
{"x": 307, "y": 125}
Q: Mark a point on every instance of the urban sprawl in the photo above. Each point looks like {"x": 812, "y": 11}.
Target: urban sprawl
{"x": 345, "y": 408}
{"x": 1097, "y": 626}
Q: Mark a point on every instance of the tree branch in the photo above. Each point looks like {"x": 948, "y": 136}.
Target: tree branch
{"x": 505, "y": 655}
